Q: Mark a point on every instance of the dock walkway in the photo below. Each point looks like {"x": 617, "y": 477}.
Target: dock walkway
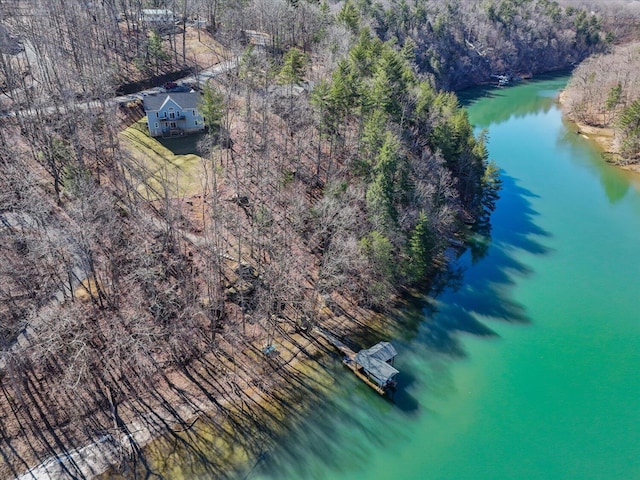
{"x": 349, "y": 359}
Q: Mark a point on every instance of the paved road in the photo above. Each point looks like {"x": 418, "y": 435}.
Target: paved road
{"x": 201, "y": 79}
{"x": 87, "y": 105}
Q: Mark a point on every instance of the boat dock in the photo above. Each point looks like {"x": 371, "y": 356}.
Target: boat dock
{"x": 371, "y": 366}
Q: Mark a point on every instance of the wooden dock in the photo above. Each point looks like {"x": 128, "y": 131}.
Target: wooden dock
{"x": 348, "y": 360}
{"x": 350, "y": 363}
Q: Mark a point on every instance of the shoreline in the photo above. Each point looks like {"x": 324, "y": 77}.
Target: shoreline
{"x": 253, "y": 421}
{"x": 602, "y": 137}
{"x": 233, "y": 431}
{"x": 102, "y": 458}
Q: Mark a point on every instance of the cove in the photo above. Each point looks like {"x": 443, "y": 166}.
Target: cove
{"x": 525, "y": 366}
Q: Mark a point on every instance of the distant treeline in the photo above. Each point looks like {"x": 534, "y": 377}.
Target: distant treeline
{"x": 464, "y": 43}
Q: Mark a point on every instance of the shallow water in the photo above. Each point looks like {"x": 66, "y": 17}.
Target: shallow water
{"x": 528, "y": 369}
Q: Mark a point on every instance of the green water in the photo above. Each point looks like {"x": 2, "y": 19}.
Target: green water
{"x": 530, "y": 368}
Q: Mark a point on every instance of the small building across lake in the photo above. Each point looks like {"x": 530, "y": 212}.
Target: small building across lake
{"x": 173, "y": 114}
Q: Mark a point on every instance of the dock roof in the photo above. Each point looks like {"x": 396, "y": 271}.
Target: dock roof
{"x": 382, "y": 351}
{"x": 374, "y": 362}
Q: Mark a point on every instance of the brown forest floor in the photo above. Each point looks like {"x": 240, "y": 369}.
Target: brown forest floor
{"x": 215, "y": 412}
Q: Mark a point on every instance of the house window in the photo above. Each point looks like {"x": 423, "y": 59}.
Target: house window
{"x": 157, "y": 115}
{"x": 196, "y": 122}
{"x": 173, "y": 124}
{"x": 194, "y": 114}
{"x": 156, "y": 124}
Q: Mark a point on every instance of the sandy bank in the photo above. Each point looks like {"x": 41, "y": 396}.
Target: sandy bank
{"x": 602, "y": 137}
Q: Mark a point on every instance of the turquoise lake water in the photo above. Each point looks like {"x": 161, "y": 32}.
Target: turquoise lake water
{"x": 530, "y": 367}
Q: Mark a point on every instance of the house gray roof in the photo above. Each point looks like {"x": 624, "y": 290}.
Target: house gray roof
{"x": 185, "y": 100}
{"x": 374, "y": 361}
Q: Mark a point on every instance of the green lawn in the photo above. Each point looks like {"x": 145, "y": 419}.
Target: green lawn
{"x": 174, "y": 162}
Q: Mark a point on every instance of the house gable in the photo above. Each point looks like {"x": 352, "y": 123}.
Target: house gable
{"x": 170, "y": 105}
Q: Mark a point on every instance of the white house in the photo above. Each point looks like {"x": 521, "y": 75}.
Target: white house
{"x": 156, "y": 16}
{"x": 258, "y": 39}
{"x": 173, "y": 114}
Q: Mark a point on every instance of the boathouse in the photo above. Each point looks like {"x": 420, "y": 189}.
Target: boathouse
{"x": 377, "y": 364}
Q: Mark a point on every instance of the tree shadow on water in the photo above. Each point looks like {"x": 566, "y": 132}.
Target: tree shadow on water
{"x": 401, "y": 398}
{"x": 344, "y": 430}
{"x": 480, "y": 287}
{"x": 341, "y": 433}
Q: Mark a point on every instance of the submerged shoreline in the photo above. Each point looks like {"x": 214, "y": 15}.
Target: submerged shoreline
{"x": 240, "y": 438}
{"x": 236, "y": 429}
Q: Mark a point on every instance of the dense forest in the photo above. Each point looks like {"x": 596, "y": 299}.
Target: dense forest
{"x": 466, "y": 43}
{"x": 336, "y": 172}
{"x": 604, "y": 92}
